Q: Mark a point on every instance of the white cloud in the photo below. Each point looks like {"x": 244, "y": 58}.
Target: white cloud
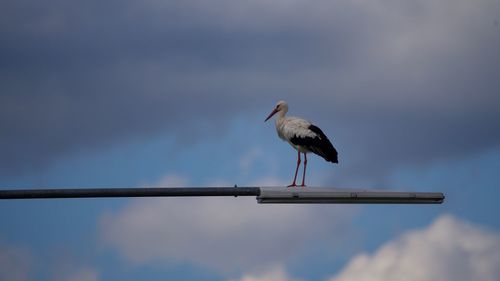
{"x": 172, "y": 180}
{"x": 247, "y": 160}
{"x": 448, "y": 250}
{"x": 225, "y": 234}
{"x": 14, "y": 263}
{"x": 274, "y": 273}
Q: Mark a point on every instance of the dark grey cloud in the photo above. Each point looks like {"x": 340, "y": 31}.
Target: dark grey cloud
{"x": 417, "y": 82}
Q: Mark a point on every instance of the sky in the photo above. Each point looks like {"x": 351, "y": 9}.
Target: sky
{"x": 175, "y": 93}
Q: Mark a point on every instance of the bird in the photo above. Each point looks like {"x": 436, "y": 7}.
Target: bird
{"x": 303, "y": 136}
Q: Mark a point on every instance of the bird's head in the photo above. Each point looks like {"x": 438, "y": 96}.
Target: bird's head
{"x": 281, "y": 106}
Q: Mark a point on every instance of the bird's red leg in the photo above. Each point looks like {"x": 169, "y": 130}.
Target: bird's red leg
{"x": 296, "y": 170}
{"x": 304, "y": 175}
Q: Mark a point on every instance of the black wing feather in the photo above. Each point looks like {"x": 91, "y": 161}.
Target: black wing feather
{"x": 319, "y": 144}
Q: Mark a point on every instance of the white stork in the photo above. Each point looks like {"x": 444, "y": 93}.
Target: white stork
{"x": 303, "y": 136}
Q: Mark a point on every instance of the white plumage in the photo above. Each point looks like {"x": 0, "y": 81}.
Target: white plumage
{"x": 290, "y": 127}
{"x": 303, "y": 136}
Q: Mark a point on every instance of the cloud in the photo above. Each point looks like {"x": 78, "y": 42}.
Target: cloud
{"x": 248, "y": 159}
{"x": 274, "y": 273}
{"x": 15, "y": 263}
{"x": 173, "y": 180}
{"x": 419, "y": 81}
{"x": 449, "y": 249}
{"x": 222, "y": 234}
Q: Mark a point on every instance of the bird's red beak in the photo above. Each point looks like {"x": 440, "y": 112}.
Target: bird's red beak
{"x": 271, "y": 115}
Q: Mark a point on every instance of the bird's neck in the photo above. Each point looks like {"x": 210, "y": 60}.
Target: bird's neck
{"x": 280, "y": 118}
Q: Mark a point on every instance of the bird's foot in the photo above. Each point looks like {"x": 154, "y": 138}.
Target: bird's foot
{"x": 292, "y": 185}
{"x": 302, "y": 185}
